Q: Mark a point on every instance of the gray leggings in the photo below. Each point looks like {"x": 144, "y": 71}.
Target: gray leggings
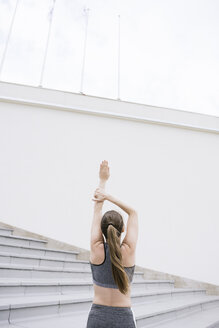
{"x": 104, "y": 316}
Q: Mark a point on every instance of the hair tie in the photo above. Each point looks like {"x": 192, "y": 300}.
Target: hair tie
{"x": 118, "y": 232}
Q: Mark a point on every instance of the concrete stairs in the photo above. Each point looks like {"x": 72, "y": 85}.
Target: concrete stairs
{"x": 42, "y": 287}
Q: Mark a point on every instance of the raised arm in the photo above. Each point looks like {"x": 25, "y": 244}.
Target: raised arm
{"x": 131, "y": 236}
{"x": 128, "y": 209}
{"x": 96, "y": 236}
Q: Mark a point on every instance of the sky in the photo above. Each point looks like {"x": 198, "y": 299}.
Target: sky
{"x": 169, "y": 50}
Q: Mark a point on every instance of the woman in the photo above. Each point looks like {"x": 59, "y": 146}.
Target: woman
{"x": 112, "y": 263}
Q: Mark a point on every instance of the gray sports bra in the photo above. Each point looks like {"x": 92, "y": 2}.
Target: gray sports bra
{"x": 102, "y": 273}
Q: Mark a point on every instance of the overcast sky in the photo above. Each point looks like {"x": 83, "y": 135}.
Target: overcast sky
{"x": 169, "y": 49}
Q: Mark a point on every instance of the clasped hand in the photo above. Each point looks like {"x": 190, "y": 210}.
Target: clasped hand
{"x": 99, "y": 195}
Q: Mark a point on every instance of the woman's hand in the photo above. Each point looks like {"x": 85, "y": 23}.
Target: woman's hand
{"x": 100, "y": 195}
{"x": 104, "y": 171}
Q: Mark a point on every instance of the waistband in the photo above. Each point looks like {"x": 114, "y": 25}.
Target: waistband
{"x": 110, "y": 308}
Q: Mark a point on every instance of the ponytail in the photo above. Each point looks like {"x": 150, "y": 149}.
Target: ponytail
{"x": 119, "y": 274}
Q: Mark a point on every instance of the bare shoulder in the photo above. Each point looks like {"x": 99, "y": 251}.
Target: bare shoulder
{"x": 97, "y": 254}
{"x": 130, "y": 241}
{"x": 128, "y": 255}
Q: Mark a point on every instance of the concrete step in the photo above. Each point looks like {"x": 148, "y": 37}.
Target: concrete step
{"x": 204, "y": 319}
{"x": 146, "y": 314}
{"x": 38, "y": 251}
{"x": 18, "y": 288}
{"x": 5, "y": 231}
{"x": 157, "y": 295}
{"x": 76, "y": 320}
{"x": 17, "y": 270}
{"x": 208, "y": 318}
{"x": 37, "y": 260}
{"x": 214, "y": 325}
{"x": 42, "y": 287}
{"x": 166, "y": 311}
{"x": 22, "y": 287}
{"x": 21, "y": 241}
{"x": 152, "y": 284}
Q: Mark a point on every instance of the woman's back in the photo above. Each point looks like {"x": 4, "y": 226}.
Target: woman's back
{"x": 106, "y": 291}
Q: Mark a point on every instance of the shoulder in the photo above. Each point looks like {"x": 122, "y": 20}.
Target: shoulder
{"x": 126, "y": 249}
{"x": 128, "y": 255}
{"x": 97, "y": 253}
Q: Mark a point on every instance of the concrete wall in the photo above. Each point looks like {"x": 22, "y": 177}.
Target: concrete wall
{"x": 163, "y": 162}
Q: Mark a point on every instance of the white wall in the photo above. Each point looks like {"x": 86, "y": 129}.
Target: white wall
{"x": 49, "y": 162}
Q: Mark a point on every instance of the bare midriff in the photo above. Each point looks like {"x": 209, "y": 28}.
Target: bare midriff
{"x": 111, "y": 297}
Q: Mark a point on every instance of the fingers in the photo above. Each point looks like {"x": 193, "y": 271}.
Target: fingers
{"x": 104, "y": 163}
{"x": 99, "y": 192}
{"x": 97, "y": 200}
